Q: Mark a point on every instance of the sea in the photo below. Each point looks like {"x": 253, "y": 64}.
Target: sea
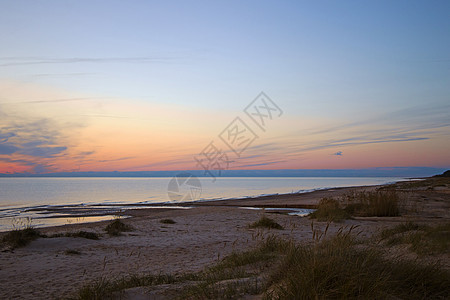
{"x": 42, "y": 202}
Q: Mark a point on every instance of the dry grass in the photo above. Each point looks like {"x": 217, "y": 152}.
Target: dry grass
{"x": 72, "y": 252}
{"x": 167, "y": 221}
{"x": 116, "y": 227}
{"x": 337, "y": 268}
{"x": 20, "y": 237}
{"x": 422, "y": 239}
{"x": 329, "y": 210}
{"x": 266, "y": 222}
{"x": 373, "y": 203}
{"x": 111, "y": 288}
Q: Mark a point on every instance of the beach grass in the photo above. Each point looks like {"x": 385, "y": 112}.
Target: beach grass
{"x": 167, "y": 221}
{"x": 116, "y": 227}
{"x": 373, "y": 203}
{"x": 329, "y": 210}
{"x": 72, "y": 252}
{"x": 266, "y": 222}
{"x": 20, "y": 237}
{"x": 78, "y": 234}
{"x": 380, "y": 203}
{"x": 104, "y": 288}
{"x": 421, "y": 239}
{"x": 83, "y": 234}
{"x": 329, "y": 267}
{"x": 339, "y": 268}
{"x": 237, "y": 274}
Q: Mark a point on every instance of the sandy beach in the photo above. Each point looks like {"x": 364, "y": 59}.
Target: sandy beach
{"x": 199, "y": 237}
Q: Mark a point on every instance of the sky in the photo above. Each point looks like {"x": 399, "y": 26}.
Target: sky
{"x": 176, "y": 85}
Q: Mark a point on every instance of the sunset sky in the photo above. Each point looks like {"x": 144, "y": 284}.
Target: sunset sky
{"x": 148, "y": 85}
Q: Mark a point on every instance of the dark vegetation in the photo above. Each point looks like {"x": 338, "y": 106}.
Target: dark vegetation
{"x": 336, "y": 267}
{"x": 266, "y": 222}
{"x": 378, "y": 203}
{"x": 20, "y": 237}
{"x": 167, "y": 221}
{"x": 72, "y": 252}
{"x": 329, "y": 210}
{"x": 116, "y": 227}
{"x": 445, "y": 174}
{"x": 421, "y": 239}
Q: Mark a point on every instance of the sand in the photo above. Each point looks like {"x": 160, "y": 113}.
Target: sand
{"x": 201, "y": 236}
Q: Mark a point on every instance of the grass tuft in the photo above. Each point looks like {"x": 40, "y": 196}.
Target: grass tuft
{"x": 373, "y": 203}
{"x": 329, "y": 210}
{"x": 116, "y": 227}
{"x": 167, "y": 221}
{"x": 422, "y": 239}
{"x": 106, "y": 289}
{"x": 83, "y": 234}
{"x": 337, "y": 268}
{"x": 72, "y": 252}
{"x": 237, "y": 274}
{"x": 266, "y": 223}
{"x": 20, "y": 237}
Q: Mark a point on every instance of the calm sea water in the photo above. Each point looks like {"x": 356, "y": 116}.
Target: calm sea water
{"x": 56, "y": 201}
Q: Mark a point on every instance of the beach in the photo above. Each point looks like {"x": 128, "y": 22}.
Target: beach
{"x": 202, "y": 235}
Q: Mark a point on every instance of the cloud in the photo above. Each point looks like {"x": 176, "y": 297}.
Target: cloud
{"x": 39, "y": 169}
{"x": 86, "y": 153}
{"x": 7, "y": 149}
{"x": 47, "y": 152}
{"x": 24, "y": 162}
{"x": 261, "y": 164}
{"x": 116, "y": 159}
{"x": 24, "y": 61}
{"x": 339, "y": 153}
{"x": 420, "y": 117}
{"x": 5, "y": 136}
{"x": 29, "y": 141}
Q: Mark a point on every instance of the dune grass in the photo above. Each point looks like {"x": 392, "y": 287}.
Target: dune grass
{"x": 336, "y": 267}
{"x": 167, "y": 221}
{"x": 83, "y": 234}
{"x": 20, "y": 237}
{"x": 329, "y": 210}
{"x": 422, "y": 239}
{"x": 380, "y": 203}
{"x": 266, "y": 222}
{"x": 116, "y": 227}
{"x": 373, "y": 203}
{"x": 110, "y": 288}
{"x": 237, "y": 274}
{"x": 72, "y": 252}
{"x": 78, "y": 234}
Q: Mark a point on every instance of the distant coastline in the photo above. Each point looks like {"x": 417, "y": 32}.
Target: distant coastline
{"x": 368, "y": 172}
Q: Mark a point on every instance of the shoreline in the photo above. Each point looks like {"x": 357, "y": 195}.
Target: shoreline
{"x": 76, "y": 212}
{"x": 197, "y": 238}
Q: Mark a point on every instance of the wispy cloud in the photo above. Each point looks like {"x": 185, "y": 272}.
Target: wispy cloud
{"x": 24, "y": 61}
{"x": 116, "y": 159}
